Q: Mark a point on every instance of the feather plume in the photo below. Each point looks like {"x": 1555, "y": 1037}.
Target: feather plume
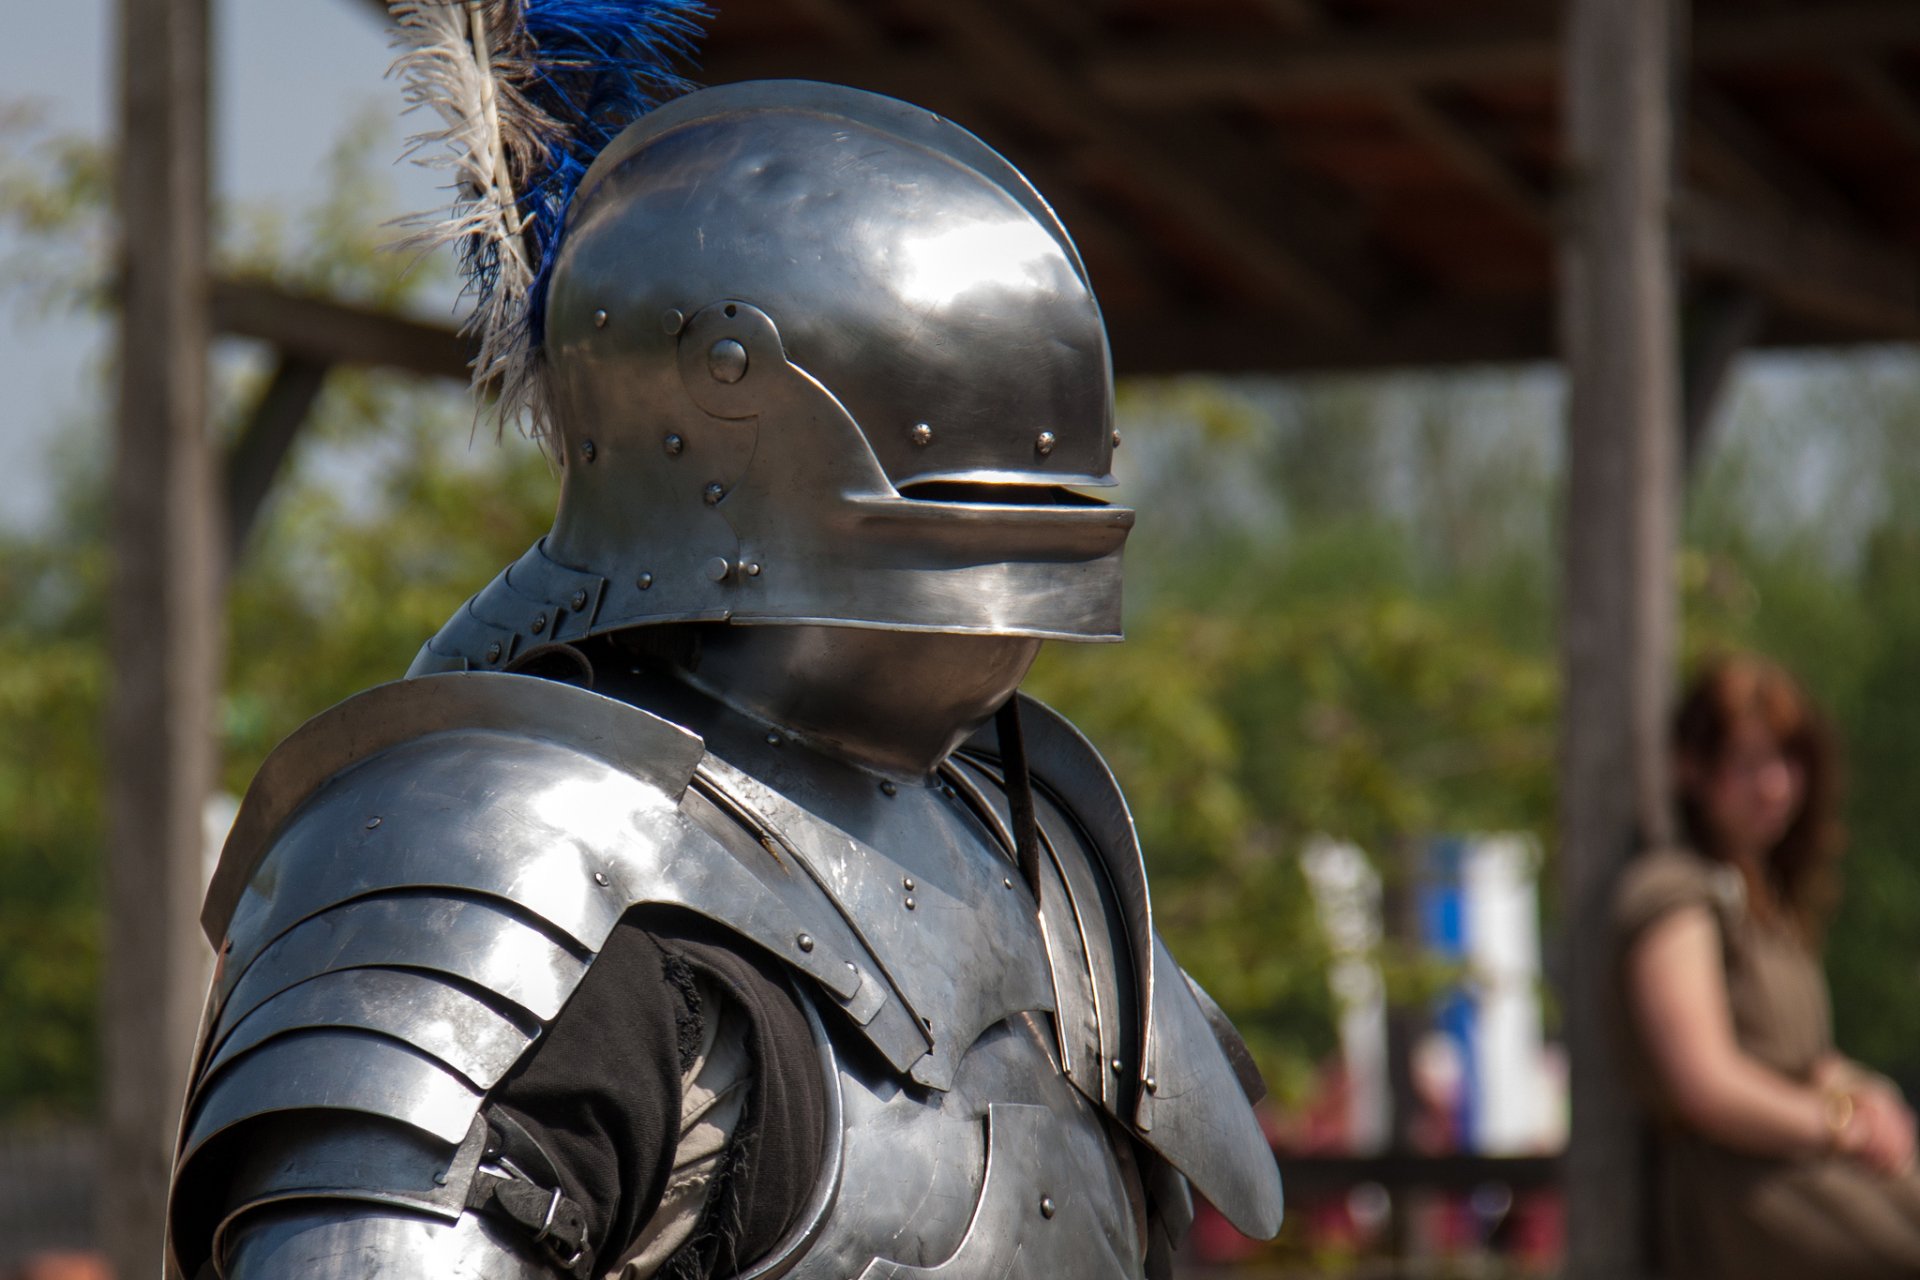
{"x": 527, "y": 93}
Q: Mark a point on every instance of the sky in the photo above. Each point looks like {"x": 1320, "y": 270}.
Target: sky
{"x": 289, "y": 76}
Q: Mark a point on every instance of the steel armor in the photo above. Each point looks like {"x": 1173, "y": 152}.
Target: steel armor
{"x": 828, "y": 378}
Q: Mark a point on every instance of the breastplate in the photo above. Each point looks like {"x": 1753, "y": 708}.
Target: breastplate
{"x": 981, "y": 1158}
{"x": 1008, "y": 1173}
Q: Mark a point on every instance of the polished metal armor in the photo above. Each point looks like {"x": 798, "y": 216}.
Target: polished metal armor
{"x": 827, "y": 377}
{"x": 420, "y": 877}
{"x": 815, "y": 356}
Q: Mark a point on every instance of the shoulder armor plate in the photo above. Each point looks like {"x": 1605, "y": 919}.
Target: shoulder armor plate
{"x": 415, "y": 885}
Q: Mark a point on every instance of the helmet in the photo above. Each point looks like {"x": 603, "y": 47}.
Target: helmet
{"x": 815, "y": 356}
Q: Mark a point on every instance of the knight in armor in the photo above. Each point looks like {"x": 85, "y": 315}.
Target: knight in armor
{"x": 707, "y": 901}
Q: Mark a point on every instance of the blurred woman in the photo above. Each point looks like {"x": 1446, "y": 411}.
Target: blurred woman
{"x": 1781, "y": 1157}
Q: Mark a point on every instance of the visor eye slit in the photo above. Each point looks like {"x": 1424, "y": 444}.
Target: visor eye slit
{"x": 978, "y": 493}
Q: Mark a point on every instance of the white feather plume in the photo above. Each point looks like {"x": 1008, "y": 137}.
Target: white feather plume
{"x": 448, "y": 64}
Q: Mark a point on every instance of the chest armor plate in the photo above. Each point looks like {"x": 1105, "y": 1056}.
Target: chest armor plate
{"x": 1008, "y": 1173}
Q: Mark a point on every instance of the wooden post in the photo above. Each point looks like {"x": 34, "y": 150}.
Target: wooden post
{"x": 165, "y": 621}
{"x": 1619, "y": 612}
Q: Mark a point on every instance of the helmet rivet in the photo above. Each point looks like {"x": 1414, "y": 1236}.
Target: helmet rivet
{"x": 753, "y": 568}
{"x": 600, "y": 878}
{"x": 674, "y": 445}
{"x": 906, "y": 882}
{"x": 922, "y": 434}
{"x": 644, "y": 581}
{"x": 539, "y": 623}
{"x": 804, "y": 942}
{"x": 671, "y": 320}
{"x": 1116, "y": 439}
{"x": 911, "y": 904}
{"x": 727, "y": 361}
{"x": 600, "y": 319}
{"x": 888, "y": 789}
{"x": 713, "y": 492}
{"x": 587, "y": 450}
{"x": 1046, "y": 1206}
{"x": 372, "y": 823}
{"x": 719, "y": 568}
{"x": 493, "y": 652}
{"x": 1045, "y": 443}
{"x": 1006, "y": 882}
{"x": 1153, "y": 1086}
{"x": 579, "y": 601}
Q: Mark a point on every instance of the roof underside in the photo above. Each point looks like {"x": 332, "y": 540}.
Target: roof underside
{"x": 1272, "y": 185}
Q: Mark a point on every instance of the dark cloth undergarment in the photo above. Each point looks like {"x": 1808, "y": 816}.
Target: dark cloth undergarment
{"x": 601, "y": 1091}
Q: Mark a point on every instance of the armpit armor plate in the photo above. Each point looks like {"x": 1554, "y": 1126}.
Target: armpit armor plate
{"x": 420, "y": 878}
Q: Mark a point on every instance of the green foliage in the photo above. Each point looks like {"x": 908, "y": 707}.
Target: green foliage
{"x": 1306, "y": 663}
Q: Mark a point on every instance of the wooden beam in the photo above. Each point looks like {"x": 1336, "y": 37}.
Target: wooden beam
{"x": 1521, "y": 44}
{"x": 1894, "y": 102}
{"x": 1767, "y": 169}
{"x": 258, "y": 455}
{"x": 1807, "y": 265}
{"x": 336, "y": 333}
{"x": 999, "y": 51}
{"x": 1618, "y": 611}
{"x": 1719, "y": 322}
{"x": 1439, "y": 133}
{"x": 1406, "y": 334}
{"x": 164, "y": 622}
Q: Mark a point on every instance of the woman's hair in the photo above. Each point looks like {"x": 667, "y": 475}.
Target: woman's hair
{"x": 1798, "y": 882}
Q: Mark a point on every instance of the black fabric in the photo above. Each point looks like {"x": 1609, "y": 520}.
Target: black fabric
{"x": 780, "y": 1141}
{"x": 601, "y": 1091}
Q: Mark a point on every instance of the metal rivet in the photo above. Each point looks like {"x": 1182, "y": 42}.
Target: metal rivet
{"x": 1153, "y": 1086}
{"x": 727, "y": 361}
{"x": 579, "y": 601}
{"x": 493, "y": 652}
{"x": 804, "y": 942}
{"x": 600, "y": 878}
{"x": 888, "y": 789}
{"x": 911, "y": 904}
{"x": 372, "y": 823}
{"x": 1116, "y": 439}
{"x": 600, "y": 319}
{"x": 539, "y": 623}
{"x": 1006, "y": 882}
{"x": 1046, "y": 1206}
{"x": 753, "y": 568}
{"x": 773, "y": 739}
{"x": 719, "y": 568}
{"x": 440, "y": 1179}
{"x": 1045, "y": 442}
{"x": 644, "y": 581}
{"x": 1117, "y": 1066}
{"x": 713, "y": 492}
{"x": 674, "y": 445}
{"x": 907, "y": 884}
{"x": 587, "y": 452}
{"x": 671, "y": 320}
{"x": 922, "y": 434}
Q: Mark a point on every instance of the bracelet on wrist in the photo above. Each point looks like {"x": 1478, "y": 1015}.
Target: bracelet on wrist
{"x": 1840, "y": 1109}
